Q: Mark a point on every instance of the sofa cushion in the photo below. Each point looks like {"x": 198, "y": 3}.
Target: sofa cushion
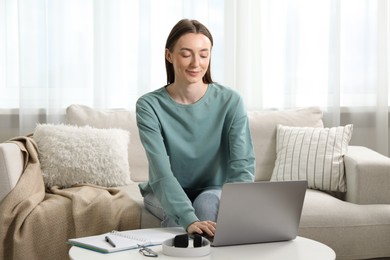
{"x": 352, "y": 231}
{"x": 312, "y": 154}
{"x": 114, "y": 118}
{"x": 148, "y": 220}
{"x": 263, "y": 130}
{"x": 72, "y": 155}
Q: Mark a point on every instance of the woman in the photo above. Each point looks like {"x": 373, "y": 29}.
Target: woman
{"x": 195, "y": 134}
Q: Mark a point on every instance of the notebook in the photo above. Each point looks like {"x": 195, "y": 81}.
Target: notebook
{"x": 259, "y": 212}
{"x": 125, "y": 240}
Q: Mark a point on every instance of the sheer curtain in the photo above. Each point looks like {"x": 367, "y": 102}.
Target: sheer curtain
{"x": 328, "y": 53}
{"x": 277, "y": 53}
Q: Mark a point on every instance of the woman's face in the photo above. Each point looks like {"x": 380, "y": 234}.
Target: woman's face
{"x": 190, "y": 58}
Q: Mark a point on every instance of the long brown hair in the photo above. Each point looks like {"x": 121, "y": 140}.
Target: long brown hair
{"x": 185, "y": 26}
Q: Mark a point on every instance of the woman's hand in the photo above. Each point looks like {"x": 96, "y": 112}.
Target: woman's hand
{"x": 202, "y": 227}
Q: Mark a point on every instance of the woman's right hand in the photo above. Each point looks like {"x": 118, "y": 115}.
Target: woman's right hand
{"x": 202, "y": 227}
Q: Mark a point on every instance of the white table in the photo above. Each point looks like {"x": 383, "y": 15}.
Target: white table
{"x": 299, "y": 248}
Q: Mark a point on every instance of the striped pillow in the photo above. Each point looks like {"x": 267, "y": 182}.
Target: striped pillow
{"x": 312, "y": 154}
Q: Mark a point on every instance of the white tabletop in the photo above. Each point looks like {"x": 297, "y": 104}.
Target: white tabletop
{"x": 299, "y": 248}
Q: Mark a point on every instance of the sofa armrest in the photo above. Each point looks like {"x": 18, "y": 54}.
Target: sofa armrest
{"x": 11, "y": 167}
{"x": 367, "y": 176}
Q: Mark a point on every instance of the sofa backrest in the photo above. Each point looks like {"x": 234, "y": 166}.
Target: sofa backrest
{"x": 262, "y": 125}
{"x": 263, "y": 130}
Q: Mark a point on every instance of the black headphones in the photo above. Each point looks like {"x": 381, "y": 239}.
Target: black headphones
{"x": 178, "y": 246}
{"x": 182, "y": 241}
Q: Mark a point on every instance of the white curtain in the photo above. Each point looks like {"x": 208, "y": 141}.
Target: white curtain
{"x": 277, "y": 53}
{"x": 329, "y": 53}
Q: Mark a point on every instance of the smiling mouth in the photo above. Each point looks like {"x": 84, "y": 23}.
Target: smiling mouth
{"x": 193, "y": 73}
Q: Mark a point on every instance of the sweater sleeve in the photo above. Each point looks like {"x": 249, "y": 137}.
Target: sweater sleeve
{"x": 161, "y": 182}
{"x": 241, "y": 154}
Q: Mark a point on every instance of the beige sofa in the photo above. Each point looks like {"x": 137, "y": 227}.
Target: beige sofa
{"x": 357, "y": 226}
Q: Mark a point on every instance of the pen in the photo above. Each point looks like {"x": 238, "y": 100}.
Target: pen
{"x": 108, "y": 240}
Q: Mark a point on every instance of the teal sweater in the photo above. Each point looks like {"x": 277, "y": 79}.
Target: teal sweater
{"x": 194, "y": 147}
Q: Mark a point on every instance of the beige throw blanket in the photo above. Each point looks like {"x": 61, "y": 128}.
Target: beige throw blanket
{"x": 35, "y": 224}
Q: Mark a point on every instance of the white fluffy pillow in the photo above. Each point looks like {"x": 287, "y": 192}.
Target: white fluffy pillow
{"x": 312, "y": 154}
{"x": 81, "y": 115}
{"x": 72, "y": 155}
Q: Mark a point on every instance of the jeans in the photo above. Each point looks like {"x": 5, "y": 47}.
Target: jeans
{"x": 206, "y": 206}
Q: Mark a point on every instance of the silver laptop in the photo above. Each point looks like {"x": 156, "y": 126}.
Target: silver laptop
{"x": 259, "y": 212}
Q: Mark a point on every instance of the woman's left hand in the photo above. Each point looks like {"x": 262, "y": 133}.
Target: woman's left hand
{"x": 202, "y": 227}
